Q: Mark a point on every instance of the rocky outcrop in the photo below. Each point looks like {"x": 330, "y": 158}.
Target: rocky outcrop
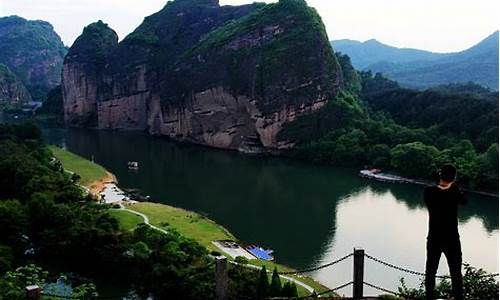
{"x": 33, "y": 51}
{"x": 12, "y": 91}
{"x": 224, "y": 76}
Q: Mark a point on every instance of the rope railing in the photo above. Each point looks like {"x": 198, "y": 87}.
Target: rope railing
{"x": 318, "y": 267}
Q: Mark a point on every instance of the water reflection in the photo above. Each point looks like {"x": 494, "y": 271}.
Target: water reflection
{"x": 376, "y": 221}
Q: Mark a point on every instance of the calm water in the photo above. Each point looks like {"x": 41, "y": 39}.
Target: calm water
{"x": 309, "y": 215}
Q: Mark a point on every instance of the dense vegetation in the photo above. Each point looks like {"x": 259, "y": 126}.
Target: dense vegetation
{"x": 52, "y": 109}
{"x": 46, "y": 220}
{"x": 477, "y": 285}
{"x": 406, "y": 131}
{"x": 421, "y": 69}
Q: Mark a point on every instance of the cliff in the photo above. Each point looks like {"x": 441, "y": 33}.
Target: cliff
{"x": 223, "y": 76}
{"x": 33, "y": 51}
{"x": 12, "y": 91}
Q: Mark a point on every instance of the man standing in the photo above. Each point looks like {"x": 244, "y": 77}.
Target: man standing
{"x": 442, "y": 201}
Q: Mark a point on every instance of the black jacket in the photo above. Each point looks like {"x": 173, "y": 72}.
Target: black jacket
{"x": 443, "y": 211}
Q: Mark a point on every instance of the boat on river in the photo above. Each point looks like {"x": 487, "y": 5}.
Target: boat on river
{"x": 377, "y": 174}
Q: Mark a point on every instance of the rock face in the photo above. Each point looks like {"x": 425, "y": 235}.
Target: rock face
{"x": 32, "y": 51}
{"x": 223, "y": 76}
{"x": 12, "y": 91}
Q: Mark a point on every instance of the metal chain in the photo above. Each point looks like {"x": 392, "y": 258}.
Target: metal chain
{"x": 415, "y": 272}
{"x": 381, "y": 289}
{"x": 317, "y": 268}
{"x": 399, "y": 268}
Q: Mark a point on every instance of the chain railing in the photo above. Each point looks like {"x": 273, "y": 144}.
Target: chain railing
{"x": 409, "y": 271}
{"x": 318, "y": 267}
{"x": 358, "y": 281}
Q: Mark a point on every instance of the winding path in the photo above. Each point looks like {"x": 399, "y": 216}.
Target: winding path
{"x": 145, "y": 218}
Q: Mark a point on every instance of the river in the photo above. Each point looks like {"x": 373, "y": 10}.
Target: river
{"x": 309, "y": 215}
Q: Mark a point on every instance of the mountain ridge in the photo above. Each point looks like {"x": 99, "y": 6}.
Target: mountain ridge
{"x": 422, "y": 69}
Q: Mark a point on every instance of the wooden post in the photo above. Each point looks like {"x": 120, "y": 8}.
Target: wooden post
{"x": 358, "y": 270}
{"x": 33, "y": 292}
{"x": 221, "y": 279}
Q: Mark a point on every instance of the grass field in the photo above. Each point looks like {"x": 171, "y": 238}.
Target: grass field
{"x": 187, "y": 223}
{"x": 88, "y": 171}
{"x": 127, "y": 220}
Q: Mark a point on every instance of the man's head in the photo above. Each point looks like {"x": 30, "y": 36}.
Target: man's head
{"x": 448, "y": 173}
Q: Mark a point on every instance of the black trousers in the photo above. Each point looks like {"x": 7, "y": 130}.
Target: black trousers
{"x": 453, "y": 252}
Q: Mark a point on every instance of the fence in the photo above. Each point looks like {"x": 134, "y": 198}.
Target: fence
{"x": 221, "y": 278}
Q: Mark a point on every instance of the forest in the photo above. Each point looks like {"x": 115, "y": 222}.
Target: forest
{"x": 376, "y": 123}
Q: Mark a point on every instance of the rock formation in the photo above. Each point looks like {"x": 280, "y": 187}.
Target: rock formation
{"x": 223, "y": 76}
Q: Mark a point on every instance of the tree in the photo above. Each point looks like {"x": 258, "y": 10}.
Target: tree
{"x": 275, "y": 288}
{"x": 414, "y": 159}
{"x": 263, "y": 284}
{"x": 289, "y": 290}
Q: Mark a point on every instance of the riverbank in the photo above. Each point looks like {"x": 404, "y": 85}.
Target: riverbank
{"x": 92, "y": 176}
{"x": 167, "y": 218}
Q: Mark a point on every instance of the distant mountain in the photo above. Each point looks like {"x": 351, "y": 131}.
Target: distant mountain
{"x": 33, "y": 51}
{"x": 364, "y": 54}
{"x": 422, "y": 69}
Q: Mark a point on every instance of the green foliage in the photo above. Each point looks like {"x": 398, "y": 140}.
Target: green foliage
{"x": 289, "y": 290}
{"x": 85, "y": 291}
{"x": 94, "y": 45}
{"x": 13, "y": 283}
{"x": 470, "y": 114}
{"x": 52, "y": 108}
{"x": 275, "y": 288}
{"x": 416, "y": 158}
{"x": 262, "y": 284}
{"x": 351, "y": 78}
{"x": 348, "y": 132}
{"x": 241, "y": 260}
{"x": 476, "y": 286}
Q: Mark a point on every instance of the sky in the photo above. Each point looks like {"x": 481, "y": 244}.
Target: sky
{"x": 435, "y": 25}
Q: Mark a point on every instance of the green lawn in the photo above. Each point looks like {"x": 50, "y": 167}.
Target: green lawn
{"x": 127, "y": 220}
{"x": 88, "y": 171}
{"x": 187, "y": 223}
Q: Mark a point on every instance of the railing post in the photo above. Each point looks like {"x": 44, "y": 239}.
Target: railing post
{"x": 358, "y": 270}
{"x": 33, "y": 292}
{"x": 221, "y": 279}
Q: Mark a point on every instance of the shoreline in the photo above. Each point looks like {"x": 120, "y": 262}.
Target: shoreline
{"x": 98, "y": 186}
{"x": 397, "y": 179}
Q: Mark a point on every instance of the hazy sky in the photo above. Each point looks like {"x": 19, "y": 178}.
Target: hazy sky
{"x": 436, "y": 25}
